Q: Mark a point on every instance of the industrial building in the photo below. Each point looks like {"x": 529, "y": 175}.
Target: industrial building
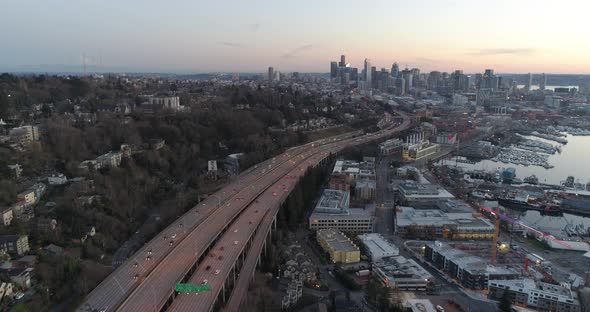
{"x": 538, "y": 295}
{"x": 340, "y": 248}
{"x": 377, "y": 247}
{"x": 432, "y": 224}
{"x": 333, "y": 212}
{"x": 417, "y": 147}
{"x": 471, "y": 271}
{"x": 404, "y": 274}
{"x": 390, "y": 147}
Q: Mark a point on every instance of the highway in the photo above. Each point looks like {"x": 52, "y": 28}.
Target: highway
{"x": 145, "y": 282}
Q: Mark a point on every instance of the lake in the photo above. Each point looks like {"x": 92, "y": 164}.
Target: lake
{"x": 570, "y": 162}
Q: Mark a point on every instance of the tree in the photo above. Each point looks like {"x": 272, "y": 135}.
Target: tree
{"x": 505, "y": 304}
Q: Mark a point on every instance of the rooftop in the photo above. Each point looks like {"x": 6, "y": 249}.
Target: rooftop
{"x": 413, "y": 190}
{"x": 333, "y": 201}
{"x": 377, "y": 245}
{"x": 407, "y": 216}
{"x": 400, "y": 267}
{"x": 337, "y": 240}
{"x": 527, "y": 285}
{"x": 472, "y": 264}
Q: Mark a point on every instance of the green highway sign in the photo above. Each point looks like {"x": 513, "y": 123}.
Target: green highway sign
{"x": 192, "y": 288}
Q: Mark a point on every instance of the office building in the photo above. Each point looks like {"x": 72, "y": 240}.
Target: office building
{"x": 365, "y": 189}
{"x": 401, "y": 273}
{"x": 271, "y": 73}
{"x": 333, "y": 70}
{"x": 471, "y": 271}
{"x": 340, "y": 248}
{"x": 333, "y": 212}
{"x": 543, "y": 82}
{"x": 529, "y": 83}
{"x": 342, "y": 60}
{"x": 536, "y": 295}
{"x": 394, "y": 70}
{"x": 432, "y": 224}
{"x": 377, "y": 247}
{"x": 333, "y": 201}
{"x": 413, "y": 191}
{"x": 367, "y": 71}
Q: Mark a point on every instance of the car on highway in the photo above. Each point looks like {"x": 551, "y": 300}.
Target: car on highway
{"x": 217, "y": 272}
{"x": 173, "y": 236}
{"x": 208, "y": 268}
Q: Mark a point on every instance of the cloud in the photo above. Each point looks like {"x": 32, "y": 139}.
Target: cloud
{"x": 295, "y": 52}
{"x": 485, "y": 52}
{"x": 231, "y": 44}
{"x": 253, "y": 27}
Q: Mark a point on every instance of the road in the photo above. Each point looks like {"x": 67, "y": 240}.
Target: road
{"x": 384, "y": 199}
{"x": 146, "y": 281}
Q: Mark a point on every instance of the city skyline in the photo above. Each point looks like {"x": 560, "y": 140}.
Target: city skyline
{"x": 198, "y": 37}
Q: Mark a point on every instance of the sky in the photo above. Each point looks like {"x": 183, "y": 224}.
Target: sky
{"x": 193, "y": 36}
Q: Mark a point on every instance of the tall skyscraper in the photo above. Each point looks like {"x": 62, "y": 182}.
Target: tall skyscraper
{"x": 489, "y": 80}
{"x": 529, "y": 83}
{"x": 394, "y": 70}
{"x": 368, "y": 72}
{"x": 342, "y": 60}
{"x": 271, "y": 73}
{"x": 543, "y": 82}
{"x": 333, "y": 69}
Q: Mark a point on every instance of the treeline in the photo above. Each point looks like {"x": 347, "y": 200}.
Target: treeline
{"x": 300, "y": 201}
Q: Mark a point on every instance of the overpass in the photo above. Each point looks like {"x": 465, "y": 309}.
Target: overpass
{"x": 215, "y": 240}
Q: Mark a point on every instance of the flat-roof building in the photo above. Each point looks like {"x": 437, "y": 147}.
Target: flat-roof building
{"x": 471, "y": 271}
{"x": 332, "y": 212}
{"x": 340, "y": 248}
{"x": 433, "y": 224}
{"x": 333, "y": 201}
{"x": 419, "y": 305}
{"x": 377, "y": 247}
{"x": 538, "y": 295}
{"x": 413, "y": 191}
{"x": 402, "y": 273}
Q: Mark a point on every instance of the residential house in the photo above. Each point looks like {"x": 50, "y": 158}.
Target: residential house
{"x": 28, "y": 197}
{"x": 14, "y": 244}
{"x": 7, "y": 216}
{"x": 108, "y": 160}
{"x": 21, "y": 277}
{"x": 57, "y": 179}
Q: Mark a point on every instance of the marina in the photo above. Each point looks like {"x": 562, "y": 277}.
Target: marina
{"x": 570, "y": 162}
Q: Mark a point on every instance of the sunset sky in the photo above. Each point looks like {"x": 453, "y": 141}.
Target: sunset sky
{"x": 515, "y": 36}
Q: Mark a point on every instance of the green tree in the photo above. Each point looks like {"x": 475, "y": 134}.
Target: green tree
{"x": 505, "y": 304}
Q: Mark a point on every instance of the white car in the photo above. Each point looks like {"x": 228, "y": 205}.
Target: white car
{"x": 217, "y": 272}
{"x": 18, "y": 295}
{"x": 440, "y": 309}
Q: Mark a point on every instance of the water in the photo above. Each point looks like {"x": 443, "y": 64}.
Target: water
{"x": 553, "y": 225}
{"x": 572, "y": 161}
{"x": 552, "y": 88}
